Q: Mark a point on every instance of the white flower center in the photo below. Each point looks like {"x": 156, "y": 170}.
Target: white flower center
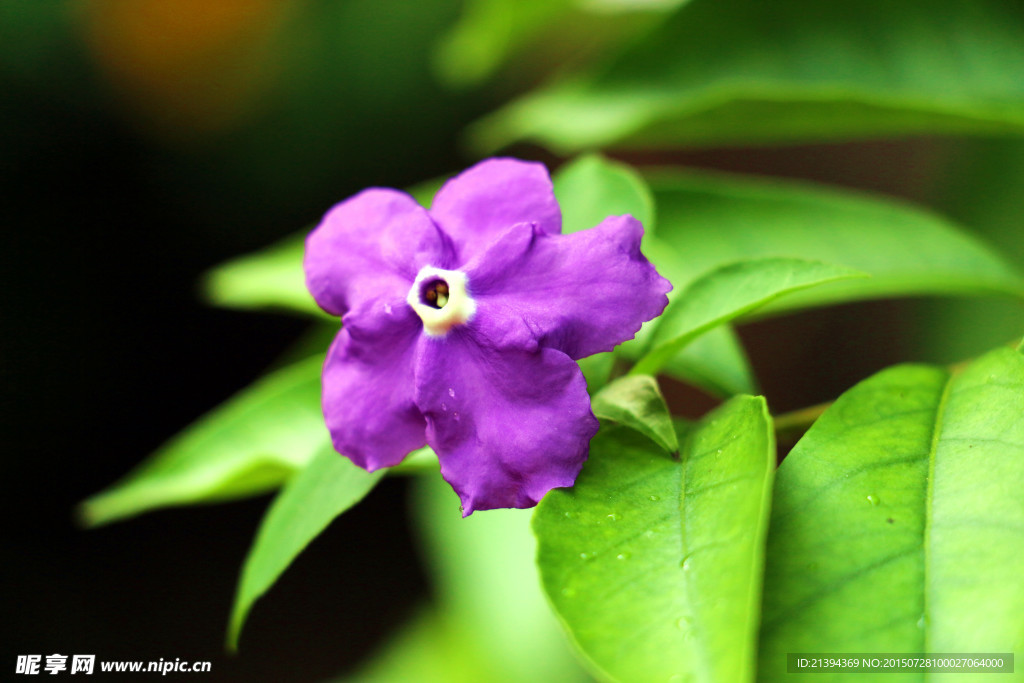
{"x": 440, "y": 298}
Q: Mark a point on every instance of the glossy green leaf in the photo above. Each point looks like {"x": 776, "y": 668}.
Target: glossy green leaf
{"x": 636, "y": 402}
{"x": 708, "y": 220}
{"x": 487, "y": 588}
{"x": 745, "y": 71}
{"x": 898, "y": 522}
{"x": 328, "y": 486}
{"x": 728, "y": 293}
{"x": 248, "y": 445}
{"x": 653, "y": 563}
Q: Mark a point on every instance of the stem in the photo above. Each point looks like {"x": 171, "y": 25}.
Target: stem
{"x": 792, "y": 425}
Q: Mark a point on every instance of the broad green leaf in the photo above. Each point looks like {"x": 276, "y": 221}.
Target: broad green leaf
{"x": 898, "y": 522}
{"x": 248, "y": 445}
{"x": 726, "y": 294}
{"x": 636, "y": 402}
{"x": 745, "y": 71}
{"x": 487, "y": 588}
{"x": 591, "y": 188}
{"x": 707, "y": 220}
{"x": 329, "y": 485}
{"x": 653, "y": 563}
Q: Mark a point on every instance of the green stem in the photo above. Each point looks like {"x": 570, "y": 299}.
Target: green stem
{"x": 792, "y": 425}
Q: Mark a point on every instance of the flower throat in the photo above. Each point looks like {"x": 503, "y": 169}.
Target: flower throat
{"x": 435, "y": 293}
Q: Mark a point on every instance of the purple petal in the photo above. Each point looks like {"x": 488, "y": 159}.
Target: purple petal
{"x": 368, "y": 386}
{"x": 580, "y": 293}
{"x": 477, "y": 206}
{"x": 507, "y": 425}
{"x": 370, "y": 245}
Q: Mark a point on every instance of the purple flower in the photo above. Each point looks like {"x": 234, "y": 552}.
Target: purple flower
{"x": 461, "y": 327}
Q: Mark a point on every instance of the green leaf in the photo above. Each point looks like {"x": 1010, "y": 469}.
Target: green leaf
{"x": 328, "y": 486}
{"x": 708, "y": 220}
{"x": 248, "y": 445}
{"x": 744, "y": 71}
{"x": 487, "y": 588}
{"x": 636, "y": 402}
{"x": 898, "y": 521}
{"x": 715, "y": 361}
{"x": 591, "y": 188}
{"x": 728, "y": 293}
{"x": 269, "y": 278}
{"x": 487, "y": 32}
{"x": 654, "y": 564}
{"x": 597, "y": 369}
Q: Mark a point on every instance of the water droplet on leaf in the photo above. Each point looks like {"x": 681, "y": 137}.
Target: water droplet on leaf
{"x": 873, "y": 499}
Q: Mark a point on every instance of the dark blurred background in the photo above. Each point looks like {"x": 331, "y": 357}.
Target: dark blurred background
{"x": 141, "y": 143}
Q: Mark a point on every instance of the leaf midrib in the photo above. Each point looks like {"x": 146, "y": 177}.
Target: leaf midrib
{"x": 696, "y": 644}
{"x": 928, "y": 509}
